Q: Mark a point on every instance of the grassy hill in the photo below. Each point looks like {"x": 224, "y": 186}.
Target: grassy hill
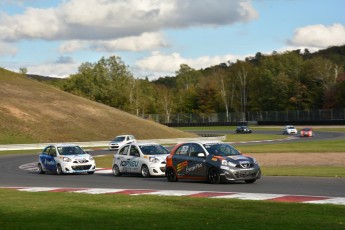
{"x": 31, "y": 112}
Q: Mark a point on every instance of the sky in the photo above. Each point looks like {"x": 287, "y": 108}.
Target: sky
{"x": 154, "y": 37}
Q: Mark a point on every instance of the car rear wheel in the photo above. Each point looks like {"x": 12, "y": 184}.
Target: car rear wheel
{"x": 250, "y": 181}
{"x": 171, "y": 175}
{"x": 59, "y": 170}
{"x": 40, "y": 169}
{"x": 213, "y": 176}
{"x": 145, "y": 171}
{"x": 116, "y": 170}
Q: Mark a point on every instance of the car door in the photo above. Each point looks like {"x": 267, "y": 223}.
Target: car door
{"x": 133, "y": 160}
{"x": 121, "y": 158}
{"x": 180, "y": 159}
{"x": 196, "y": 165}
{"x": 47, "y": 158}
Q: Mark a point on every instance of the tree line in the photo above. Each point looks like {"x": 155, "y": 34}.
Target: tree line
{"x": 293, "y": 80}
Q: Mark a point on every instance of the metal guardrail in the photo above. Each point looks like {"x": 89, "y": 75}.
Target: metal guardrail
{"x": 105, "y": 143}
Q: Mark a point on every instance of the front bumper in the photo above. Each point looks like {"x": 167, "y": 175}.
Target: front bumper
{"x": 157, "y": 170}
{"x": 238, "y": 174}
{"x": 78, "y": 168}
{"x": 114, "y": 147}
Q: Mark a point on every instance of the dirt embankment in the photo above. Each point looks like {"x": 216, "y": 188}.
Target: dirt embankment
{"x": 300, "y": 159}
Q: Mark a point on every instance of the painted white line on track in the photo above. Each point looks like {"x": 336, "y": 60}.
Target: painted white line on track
{"x": 250, "y": 196}
{"x": 205, "y": 194}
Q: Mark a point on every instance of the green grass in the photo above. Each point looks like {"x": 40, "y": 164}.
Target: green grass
{"x": 311, "y": 171}
{"x": 24, "y": 210}
{"x": 301, "y": 147}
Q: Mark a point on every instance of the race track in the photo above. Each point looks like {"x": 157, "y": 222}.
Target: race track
{"x": 19, "y": 171}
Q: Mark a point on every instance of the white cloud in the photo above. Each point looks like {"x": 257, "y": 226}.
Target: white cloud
{"x": 167, "y": 65}
{"x": 7, "y": 49}
{"x": 72, "y": 46}
{"x": 109, "y": 20}
{"x": 60, "y": 70}
{"x": 319, "y": 36}
{"x": 146, "y": 41}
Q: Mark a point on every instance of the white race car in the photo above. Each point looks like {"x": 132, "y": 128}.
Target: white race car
{"x": 149, "y": 159}
{"x": 65, "y": 158}
{"x": 289, "y": 129}
{"x": 121, "y": 140}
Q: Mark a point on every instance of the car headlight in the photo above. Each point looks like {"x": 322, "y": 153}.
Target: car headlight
{"x": 66, "y": 159}
{"x": 153, "y": 160}
{"x": 228, "y": 163}
{"x": 90, "y": 158}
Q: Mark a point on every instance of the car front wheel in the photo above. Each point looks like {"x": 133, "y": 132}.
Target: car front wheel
{"x": 40, "y": 169}
{"x": 213, "y": 176}
{"x": 116, "y": 170}
{"x": 145, "y": 171}
{"x": 59, "y": 170}
{"x": 171, "y": 175}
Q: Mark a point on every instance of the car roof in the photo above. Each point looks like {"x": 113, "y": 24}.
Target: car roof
{"x": 63, "y": 145}
{"x": 202, "y": 142}
{"x": 145, "y": 143}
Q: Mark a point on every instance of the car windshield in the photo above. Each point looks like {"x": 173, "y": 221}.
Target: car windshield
{"x": 119, "y": 139}
{"x": 153, "y": 149}
{"x": 70, "y": 150}
{"x": 221, "y": 149}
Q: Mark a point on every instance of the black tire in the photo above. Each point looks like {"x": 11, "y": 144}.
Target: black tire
{"x": 40, "y": 169}
{"x": 250, "y": 181}
{"x": 116, "y": 170}
{"x": 59, "y": 170}
{"x": 171, "y": 175}
{"x": 145, "y": 172}
{"x": 213, "y": 176}
{"x": 92, "y": 172}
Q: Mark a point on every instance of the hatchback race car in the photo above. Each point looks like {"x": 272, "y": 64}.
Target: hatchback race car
{"x": 216, "y": 162}
{"x": 121, "y": 140}
{"x": 65, "y": 158}
{"x": 307, "y": 132}
{"x": 289, "y": 129}
{"x": 243, "y": 129}
{"x": 145, "y": 158}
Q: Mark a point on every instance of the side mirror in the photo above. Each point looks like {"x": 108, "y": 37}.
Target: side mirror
{"x": 201, "y": 155}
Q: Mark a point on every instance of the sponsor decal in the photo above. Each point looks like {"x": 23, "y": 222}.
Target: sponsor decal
{"x": 182, "y": 165}
{"x": 49, "y": 162}
{"x": 191, "y": 169}
{"x": 129, "y": 163}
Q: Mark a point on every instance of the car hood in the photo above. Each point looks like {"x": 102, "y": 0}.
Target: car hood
{"x": 160, "y": 156}
{"x": 116, "y": 142}
{"x": 80, "y": 158}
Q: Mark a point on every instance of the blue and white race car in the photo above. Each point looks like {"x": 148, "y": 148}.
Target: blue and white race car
{"x": 65, "y": 158}
{"x": 148, "y": 159}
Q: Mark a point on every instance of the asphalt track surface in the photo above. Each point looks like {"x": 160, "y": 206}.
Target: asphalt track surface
{"x": 12, "y": 174}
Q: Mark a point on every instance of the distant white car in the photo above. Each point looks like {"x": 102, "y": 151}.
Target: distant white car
{"x": 148, "y": 159}
{"x": 121, "y": 140}
{"x": 289, "y": 129}
{"x": 65, "y": 158}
